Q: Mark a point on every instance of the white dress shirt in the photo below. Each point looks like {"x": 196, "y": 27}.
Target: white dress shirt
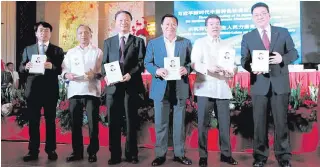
{"x": 125, "y": 39}
{"x": 170, "y": 46}
{"x": 204, "y": 54}
{"x": 92, "y": 59}
{"x": 268, "y": 29}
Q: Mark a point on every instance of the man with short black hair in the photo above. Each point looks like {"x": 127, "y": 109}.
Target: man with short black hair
{"x": 124, "y": 97}
{"x": 169, "y": 94}
{"x": 272, "y": 87}
{"x": 42, "y": 90}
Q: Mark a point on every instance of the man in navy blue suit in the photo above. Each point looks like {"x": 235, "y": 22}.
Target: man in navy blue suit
{"x": 272, "y": 87}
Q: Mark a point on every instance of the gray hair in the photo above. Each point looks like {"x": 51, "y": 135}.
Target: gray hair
{"x": 84, "y": 25}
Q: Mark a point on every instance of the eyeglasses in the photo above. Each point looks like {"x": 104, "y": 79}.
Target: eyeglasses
{"x": 44, "y": 30}
{"x": 256, "y": 15}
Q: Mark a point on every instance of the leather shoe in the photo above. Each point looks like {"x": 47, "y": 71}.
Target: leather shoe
{"x": 183, "y": 160}
{"x": 133, "y": 159}
{"x": 228, "y": 160}
{"x": 92, "y": 158}
{"x": 158, "y": 161}
{"x": 30, "y": 157}
{"x": 52, "y": 156}
{"x": 258, "y": 163}
{"x": 203, "y": 162}
{"x": 114, "y": 161}
{"x": 75, "y": 157}
{"x": 284, "y": 163}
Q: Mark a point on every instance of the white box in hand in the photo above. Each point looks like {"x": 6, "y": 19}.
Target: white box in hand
{"x": 172, "y": 65}
{"x": 113, "y": 72}
{"x": 38, "y": 64}
{"x": 226, "y": 59}
{"x": 260, "y": 60}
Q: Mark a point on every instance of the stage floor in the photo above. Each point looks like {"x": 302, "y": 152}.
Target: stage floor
{"x": 12, "y": 152}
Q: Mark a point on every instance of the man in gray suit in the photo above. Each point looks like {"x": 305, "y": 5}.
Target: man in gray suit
{"x": 272, "y": 87}
{"x": 169, "y": 94}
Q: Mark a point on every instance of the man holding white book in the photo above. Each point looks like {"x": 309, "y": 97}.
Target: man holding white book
{"x": 168, "y": 61}
{"x": 42, "y": 89}
{"x": 269, "y": 85}
{"x": 82, "y": 67}
{"x": 214, "y": 63}
{"x": 124, "y": 54}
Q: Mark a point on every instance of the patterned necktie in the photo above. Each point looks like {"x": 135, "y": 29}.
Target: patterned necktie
{"x": 265, "y": 40}
{"x": 42, "y": 49}
{"x": 122, "y": 49}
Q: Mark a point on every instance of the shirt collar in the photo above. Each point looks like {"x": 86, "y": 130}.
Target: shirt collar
{"x": 87, "y": 47}
{"x": 126, "y": 35}
{"x": 268, "y": 29}
{"x": 167, "y": 40}
{"x": 46, "y": 43}
{"x": 213, "y": 40}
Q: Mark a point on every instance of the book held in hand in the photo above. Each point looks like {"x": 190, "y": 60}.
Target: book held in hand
{"x": 172, "y": 65}
{"x": 113, "y": 72}
{"x": 260, "y": 61}
{"x": 226, "y": 59}
{"x": 38, "y": 64}
{"x": 77, "y": 67}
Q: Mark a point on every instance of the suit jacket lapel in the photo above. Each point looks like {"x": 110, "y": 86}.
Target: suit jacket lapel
{"x": 177, "y": 47}
{"x": 115, "y": 47}
{"x": 274, "y": 38}
{"x": 162, "y": 45}
{"x": 260, "y": 42}
{"x": 35, "y": 49}
{"x": 128, "y": 43}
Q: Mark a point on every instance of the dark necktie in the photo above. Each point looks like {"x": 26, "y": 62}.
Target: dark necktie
{"x": 265, "y": 40}
{"x": 122, "y": 43}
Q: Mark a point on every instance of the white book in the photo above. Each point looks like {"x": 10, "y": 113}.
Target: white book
{"x": 38, "y": 64}
{"x": 113, "y": 72}
{"x": 226, "y": 59}
{"x": 260, "y": 60}
{"x": 172, "y": 65}
{"x": 77, "y": 66}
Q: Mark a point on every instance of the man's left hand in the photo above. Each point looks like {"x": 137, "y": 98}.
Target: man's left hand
{"x": 276, "y": 59}
{"x": 48, "y": 65}
{"x": 89, "y": 75}
{"x": 126, "y": 77}
{"x": 183, "y": 71}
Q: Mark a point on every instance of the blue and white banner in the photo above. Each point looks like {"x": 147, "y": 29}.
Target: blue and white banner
{"x": 236, "y": 19}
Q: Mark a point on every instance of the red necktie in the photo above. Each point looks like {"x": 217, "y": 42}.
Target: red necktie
{"x": 265, "y": 40}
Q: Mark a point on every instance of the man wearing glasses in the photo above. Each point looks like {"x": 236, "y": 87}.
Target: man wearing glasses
{"x": 42, "y": 91}
{"x": 272, "y": 87}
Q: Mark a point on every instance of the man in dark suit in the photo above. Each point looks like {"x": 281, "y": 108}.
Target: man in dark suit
{"x": 269, "y": 88}
{"x": 42, "y": 91}
{"x": 124, "y": 96}
{"x": 169, "y": 94}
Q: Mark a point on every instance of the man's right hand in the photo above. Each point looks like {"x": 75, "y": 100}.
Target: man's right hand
{"x": 28, "y": 65}
{"x": 69, "y": 76}
{"x": 162, "y": 72}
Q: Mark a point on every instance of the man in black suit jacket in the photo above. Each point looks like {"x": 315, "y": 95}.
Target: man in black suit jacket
{"x": 124, "y": 96}
{"x": 42, "y": 91}
{"x": 269, "y": 88}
